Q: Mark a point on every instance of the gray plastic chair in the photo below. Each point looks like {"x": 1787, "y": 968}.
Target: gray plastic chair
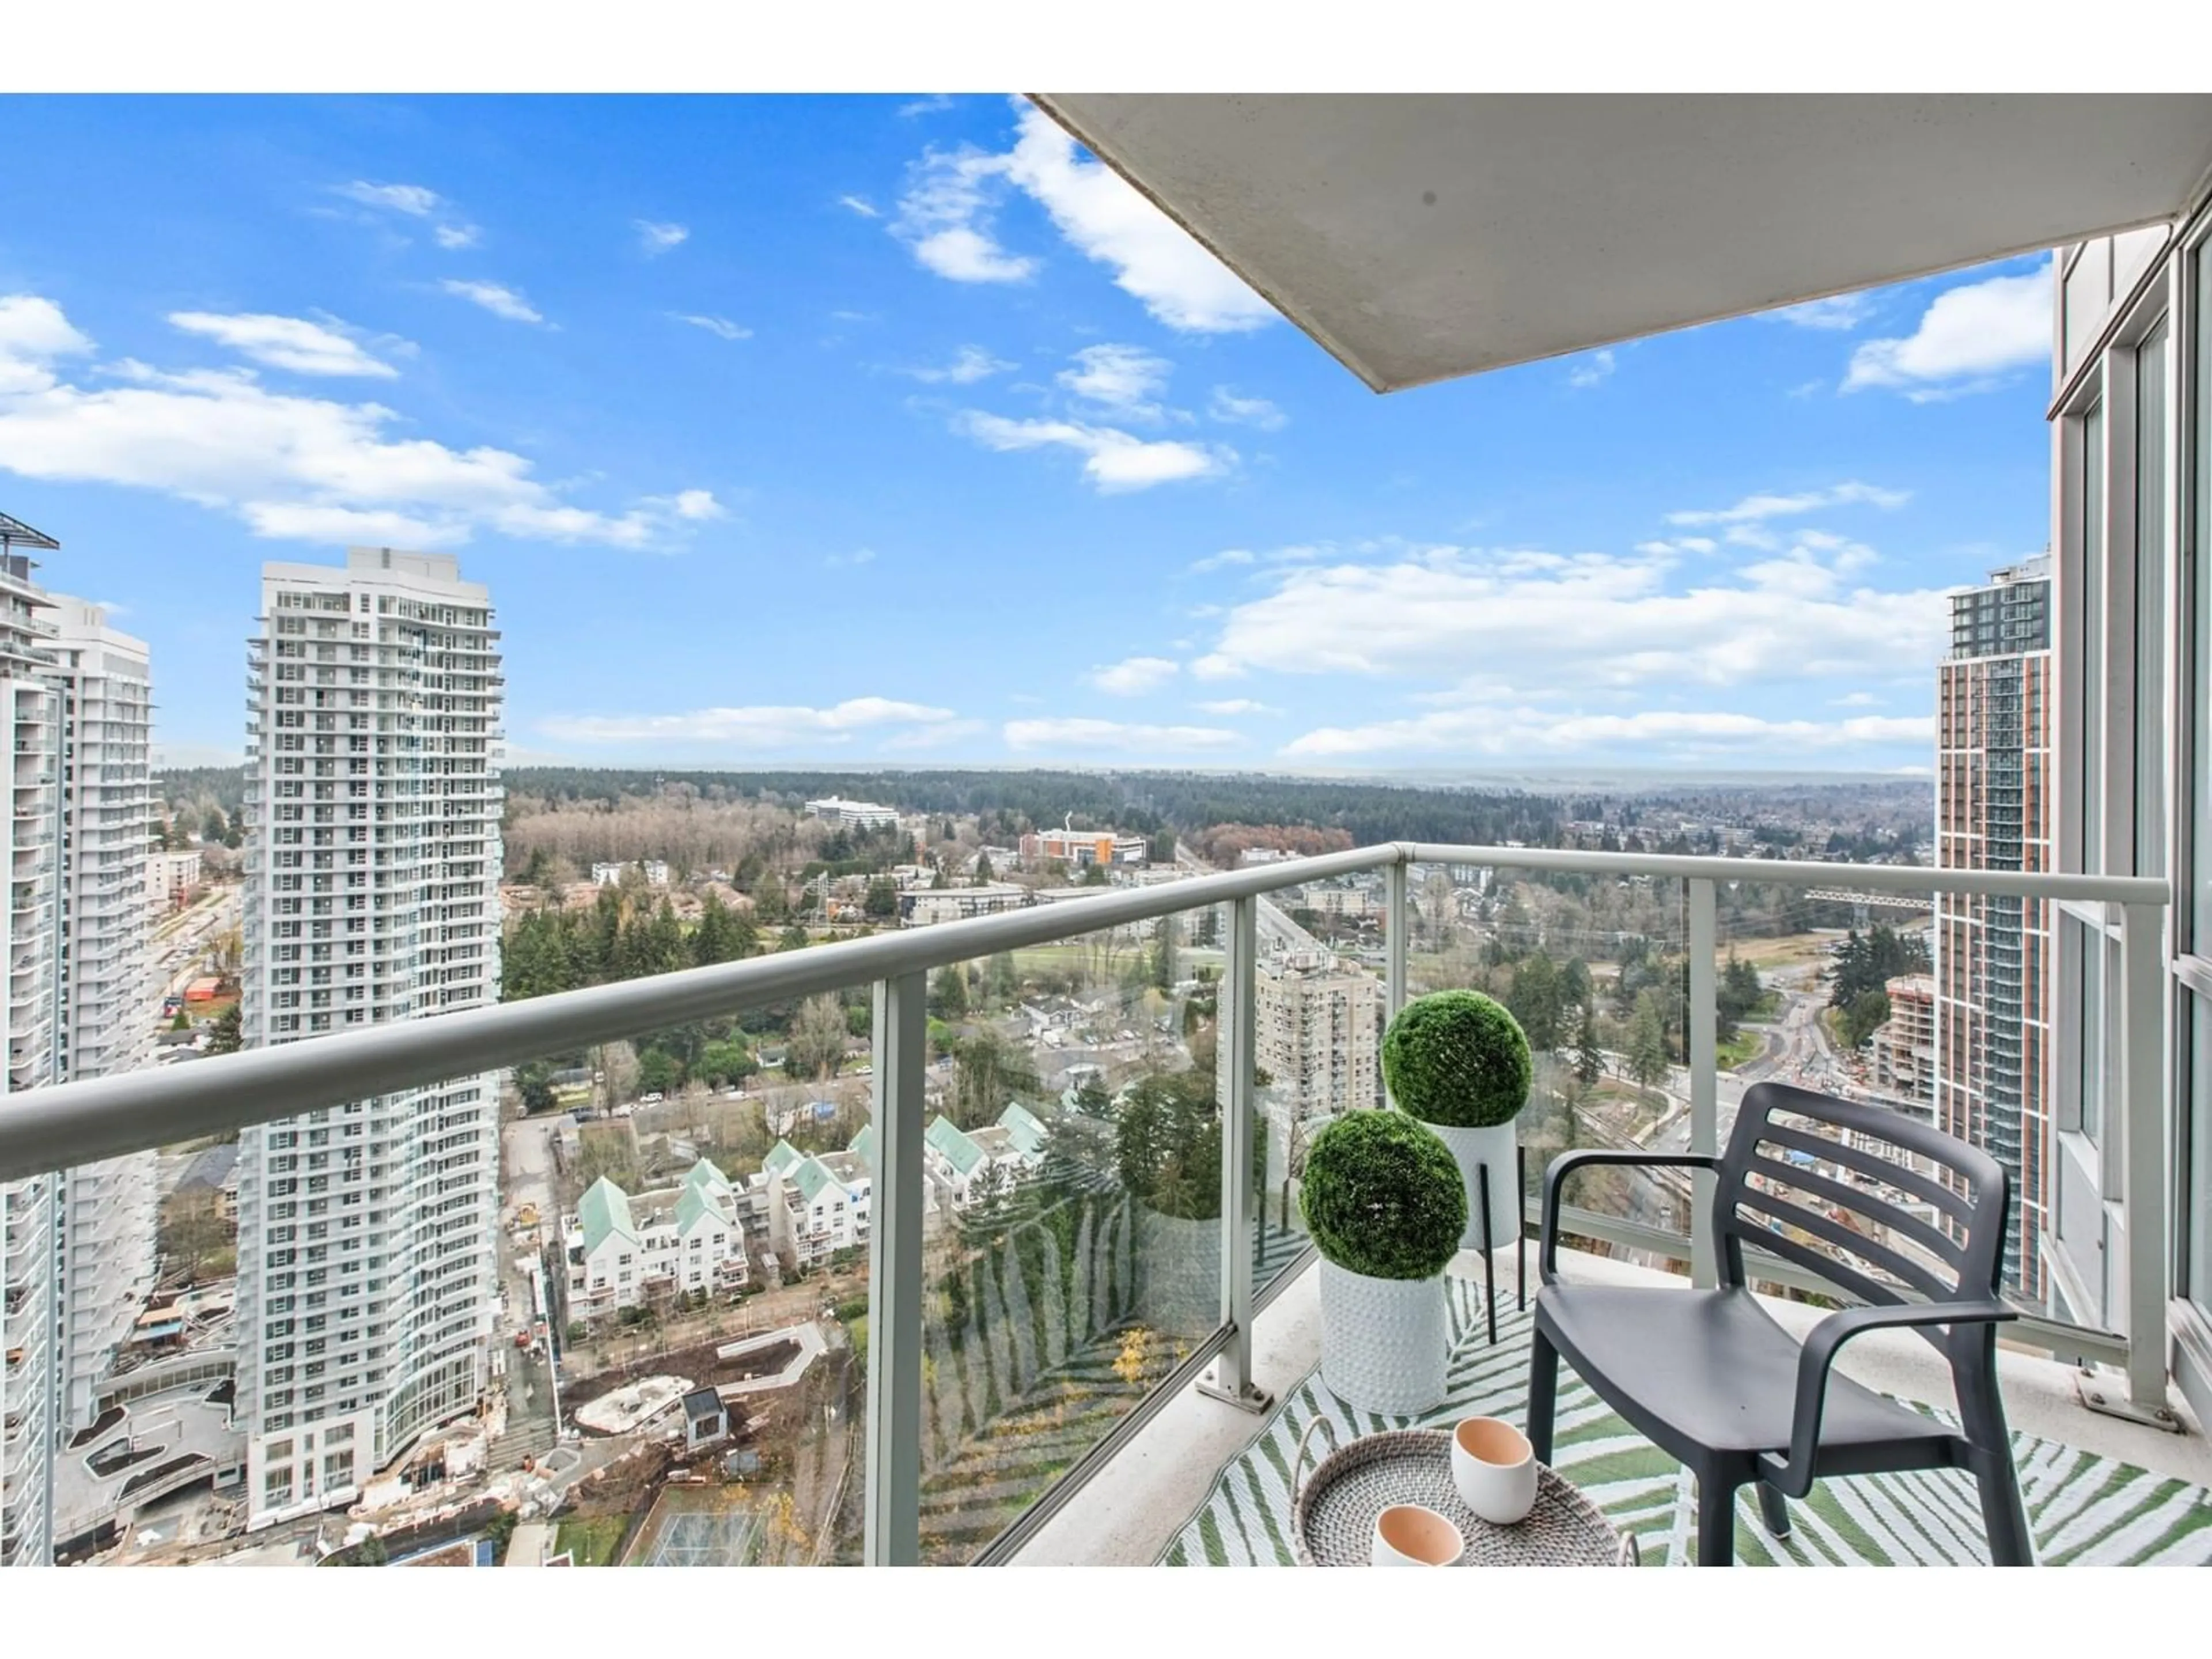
{"x": 1713, "y": 1380}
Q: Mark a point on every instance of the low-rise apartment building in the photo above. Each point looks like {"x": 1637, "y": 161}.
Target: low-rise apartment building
{"x": 625, "y": 1251}
{"x": 1081, "y": 848}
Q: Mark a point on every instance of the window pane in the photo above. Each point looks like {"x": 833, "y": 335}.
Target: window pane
{"x": 2151, "y": 415}
{"x": 2199, "y": 703}
{"x": 2197, "y": 1113}
{"x": 2091, "y": 803}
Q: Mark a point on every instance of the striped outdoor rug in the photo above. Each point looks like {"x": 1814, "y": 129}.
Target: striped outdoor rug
{"x": 2082, "y": 1509}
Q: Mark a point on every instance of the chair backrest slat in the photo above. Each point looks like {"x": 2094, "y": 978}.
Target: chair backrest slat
{"x": 1898, "y": 1267}
{"x": 1928, "y": 1238}
{"x": 1953, "y": 1202}
{"x": 1968, "y": 1190}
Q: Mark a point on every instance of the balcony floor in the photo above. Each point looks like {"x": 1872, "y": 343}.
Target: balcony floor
{"x": 2098, "y": 1489}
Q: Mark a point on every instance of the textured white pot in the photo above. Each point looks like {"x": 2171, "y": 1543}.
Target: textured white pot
{"x": 1384, "y": 1341}
{"x": 1471, "y": 1149}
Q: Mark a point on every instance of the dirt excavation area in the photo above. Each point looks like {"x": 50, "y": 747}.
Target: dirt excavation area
{"x": 623, "y": 1402}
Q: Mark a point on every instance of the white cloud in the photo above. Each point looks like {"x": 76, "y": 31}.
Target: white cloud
{"x": 1586, "y": 621}
{"x": 305, "y": 521}
{"x": 720, "y": 327}
{"x": 1752, "y": 508}
{"x": 1227, "y": 406}
{"x": 498, "y": 300}
{"x": 293, "y": 466}
{"x": 1970, "y": 336}
{"x": 858, "y": 556}
{"x": 756, "y": 727}
{"x": 458, "y": 236}
{"x": 1112, "y": 461}
{"x": 657, "y": 237}
{"x": 945, "y": 217}
{"x": 1838, "y": 313}
{"x": 698, "y": 506}
{"x": 861, "y": 205}
{"x": 948, "y": 217}
{"x": 1855, "y": 700}
{"x": 1072, "y": 733}
{"x": 1152, "y": 257}
{"x": 929, "y": 105}
{"x": 1122, "y": 380}
{"x": 1221, "y": 560}
{"x": 1237, "y": 706}
{"x": 1134, "y": 676}
{"x": 1596, "y": 367}
{"x": 970, "y": 364}
{"x": 291, "y": 342}
{"x": 33, "y": 333}
{"x": 413, "y": 200}
{"x": 1682, "y": 734}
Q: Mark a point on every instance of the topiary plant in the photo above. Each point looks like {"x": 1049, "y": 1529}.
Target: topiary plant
{"x": 1459, "y": 1059}
{"x": 1383, "y": 1197}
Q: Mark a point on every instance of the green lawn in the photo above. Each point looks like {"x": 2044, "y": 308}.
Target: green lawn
{"x": 1743, "y": 1046}
{"x": 592, "y": 1542}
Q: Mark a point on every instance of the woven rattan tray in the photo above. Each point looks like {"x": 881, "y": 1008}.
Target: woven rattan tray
{"x": 1333, "y": 1518}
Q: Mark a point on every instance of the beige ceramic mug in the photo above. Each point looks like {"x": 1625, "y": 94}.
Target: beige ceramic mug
{"x": 1408, "y": 1536}
{"x": 1494, "y": 1468}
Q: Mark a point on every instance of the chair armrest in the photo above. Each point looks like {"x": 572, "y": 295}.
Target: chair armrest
{"x": 1793, "y": 1476}
{"x": 1566, "y": 1163}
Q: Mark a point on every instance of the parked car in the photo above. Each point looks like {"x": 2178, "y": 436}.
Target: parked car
{"x": 653, "y": 1099}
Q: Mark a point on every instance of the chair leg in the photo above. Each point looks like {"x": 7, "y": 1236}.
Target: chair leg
{"x": 1716, "y": 1522}
{"x": 1543, "y": 1393}
{"x": 2003, "y": 1517}
{"x": 1774, "y": 1511}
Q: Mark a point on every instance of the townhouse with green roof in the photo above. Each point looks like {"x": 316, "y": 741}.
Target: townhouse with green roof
{"x": 818, "y": 1203}
{"x": 624, "y": 1250}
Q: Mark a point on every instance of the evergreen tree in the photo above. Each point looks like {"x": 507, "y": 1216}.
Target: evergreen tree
{"x": 948, "y": 994}
{"x": 1648, "y": 1059}
{"x": 1590, "y": 1062}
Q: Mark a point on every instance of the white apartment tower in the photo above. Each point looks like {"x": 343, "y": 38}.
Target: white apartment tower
{"x": 1316, "y": 1027}
{"x": 29, "y": 1363}
{"x": 366, "y": 1263}
{"x": 107, "y": 1221}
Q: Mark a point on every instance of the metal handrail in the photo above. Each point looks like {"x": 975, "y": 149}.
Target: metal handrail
{"x": 52, "y": 1128}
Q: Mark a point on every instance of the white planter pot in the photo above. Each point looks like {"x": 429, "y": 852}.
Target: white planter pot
{"x": 1384, "y": 1342}
{"x": 1471, "y": 1149}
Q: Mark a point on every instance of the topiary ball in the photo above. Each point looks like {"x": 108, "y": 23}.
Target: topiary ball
{"x": 1382, "y": 1196}
{"x": 1459, "y": 1059}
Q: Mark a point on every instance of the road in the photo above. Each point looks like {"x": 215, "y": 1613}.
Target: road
{"x": 527, "y": 1156}
{"x": 180, "y": 942}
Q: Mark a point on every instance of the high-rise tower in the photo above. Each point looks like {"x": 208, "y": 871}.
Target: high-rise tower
{"x": 367, "y": 1275}
{"x": 1993, "y": 955}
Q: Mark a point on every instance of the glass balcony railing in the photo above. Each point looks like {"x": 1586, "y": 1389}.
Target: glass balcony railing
{"x": 881, "y": 1248}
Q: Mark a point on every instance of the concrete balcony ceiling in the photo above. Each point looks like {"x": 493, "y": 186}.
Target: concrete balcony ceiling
{"x": 1421, "y": 238}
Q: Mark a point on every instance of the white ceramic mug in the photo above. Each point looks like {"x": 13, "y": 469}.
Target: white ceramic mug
{"x": 1494, "y": 1468}
{"x": 1408, "y": 1536}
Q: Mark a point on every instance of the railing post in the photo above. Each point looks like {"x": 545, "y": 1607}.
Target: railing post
{"x": 2141, "y": 1121}
{"x": 1705, "y": 1067}
{"x": 1397, "y": 934}
{"x": 891, "y": 1533}
{"x": 1232, "y": 1377}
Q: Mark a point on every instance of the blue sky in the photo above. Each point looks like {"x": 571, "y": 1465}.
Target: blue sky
{"x": 850, "y": 429}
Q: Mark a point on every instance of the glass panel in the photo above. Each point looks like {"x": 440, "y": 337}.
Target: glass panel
{"x": 2197, "y": 1209}
{"x": 2194, "y": 749}
{"x": 1593, "y": 968}
{"x": 2152, "y": 415}
{"x": 2090, "y": 803}
{"x": 1074, "y": 1232}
